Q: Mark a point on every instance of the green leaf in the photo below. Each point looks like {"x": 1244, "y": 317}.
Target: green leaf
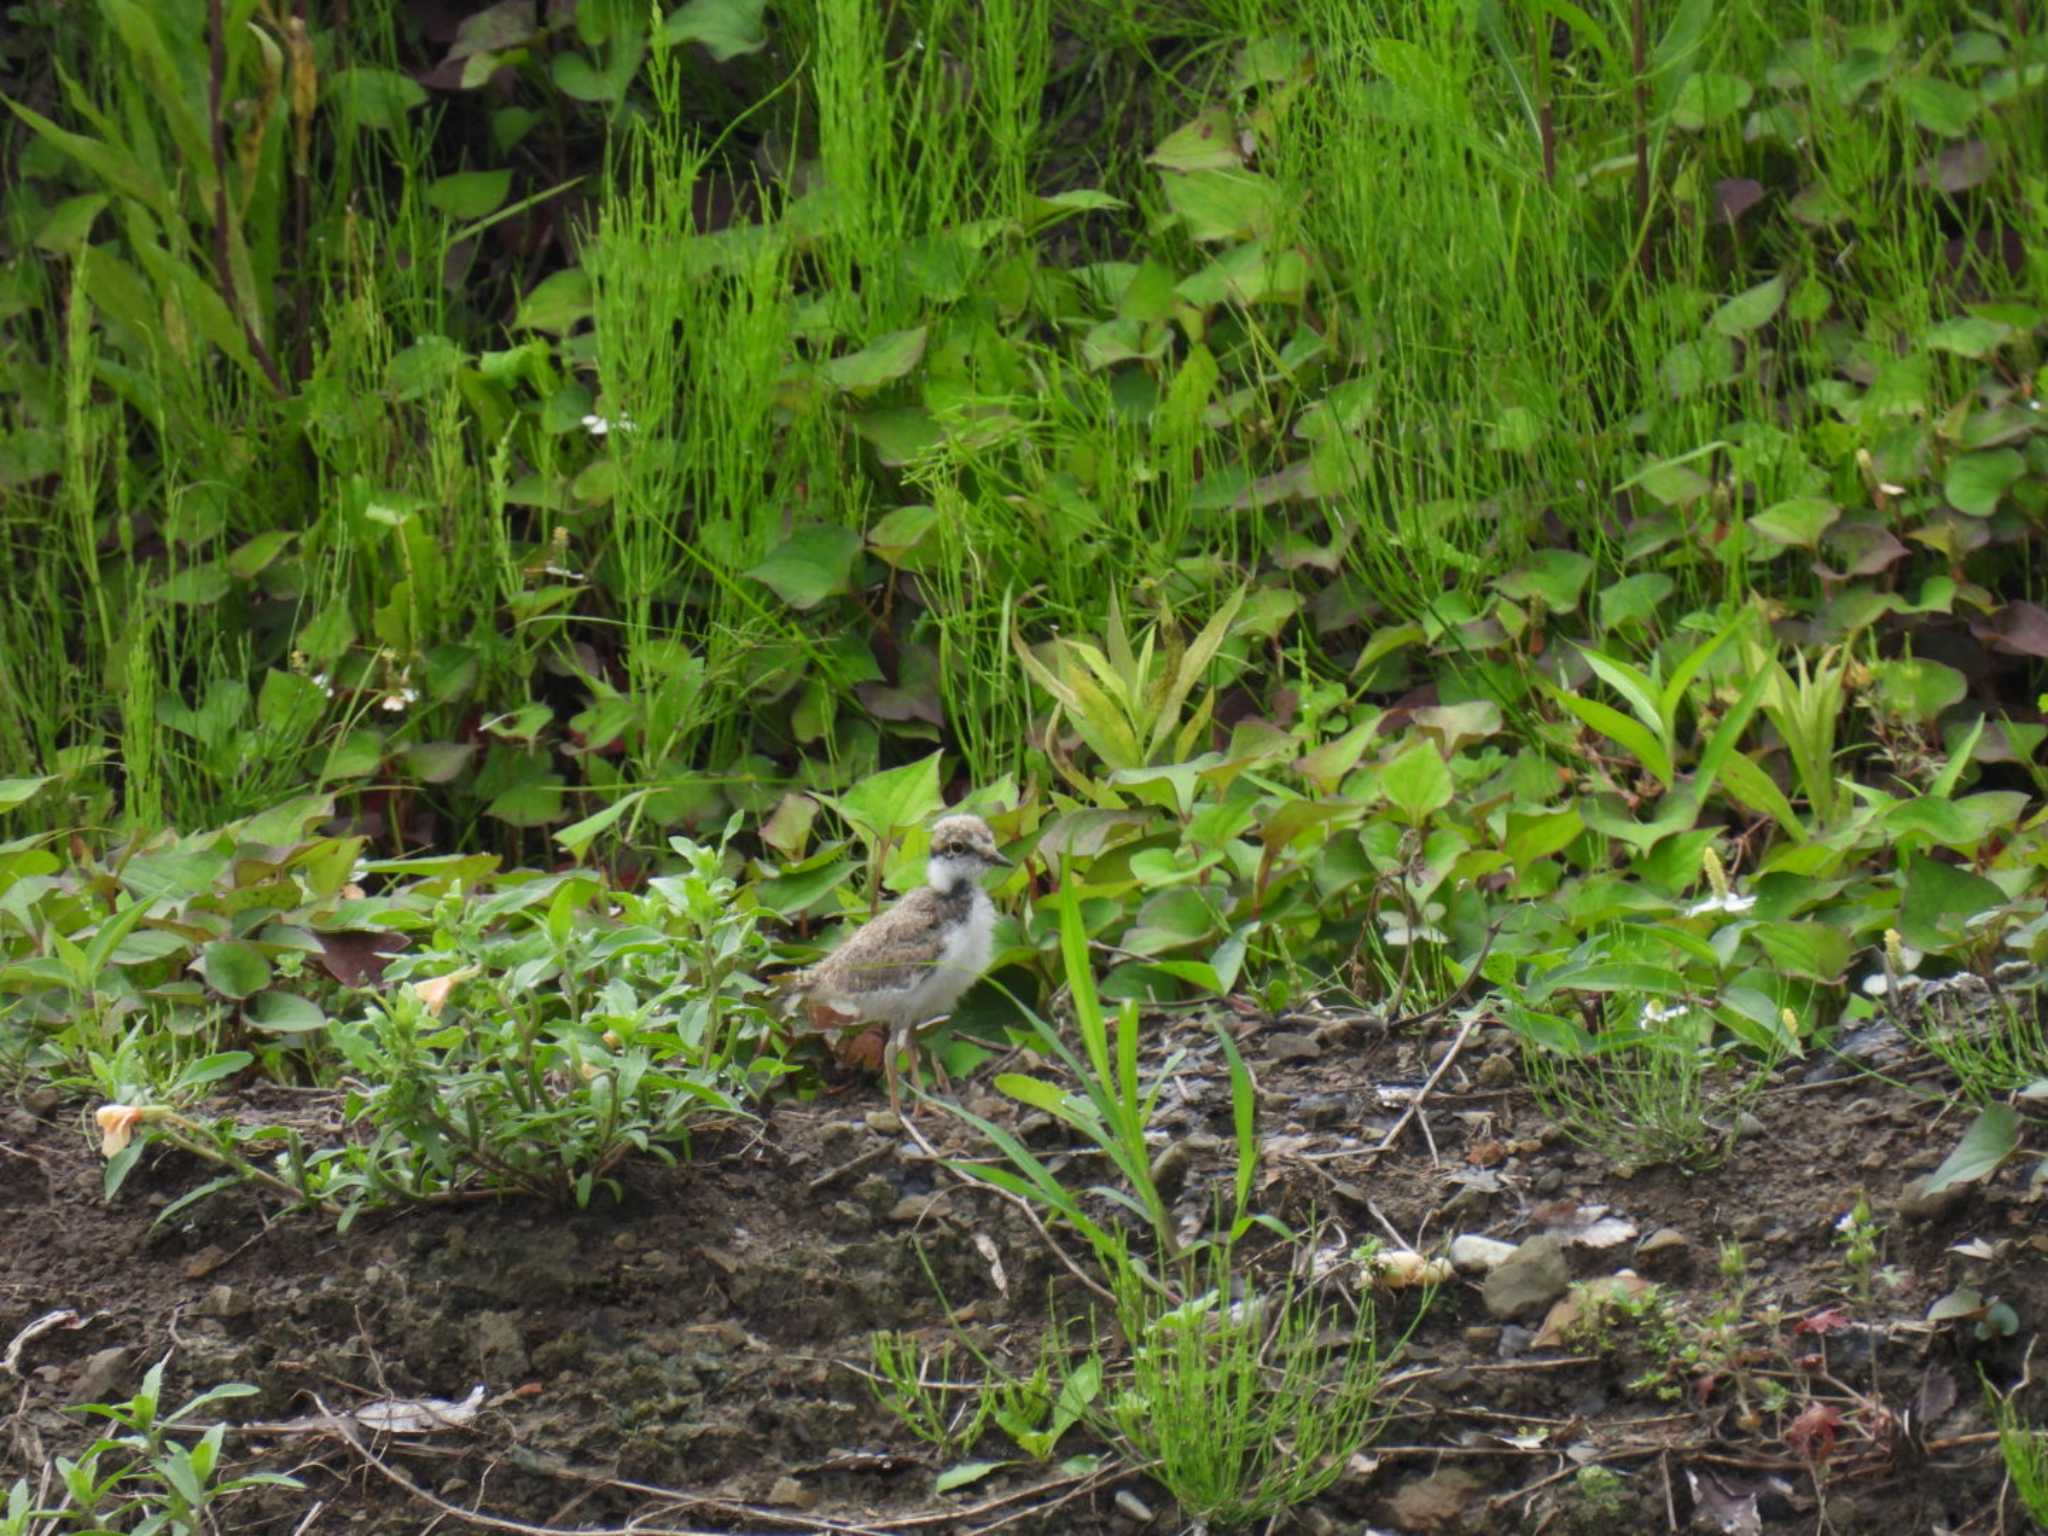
{"x": 1969, "y": 336}
{"x": 884, "y": 803}
{"x": 15, "y": 792}
{"x": 1939, "y": 901}
{"x": 881, "y": 362}
{"x": 535, "y": 803}
{"x": 1941, "y": 107}
{"x": 1810, "y": 951}
{"x": 282, "y": 1013}
{"x": 1916, "y": 690}
{"x": 1610, "y": 976}
{"x": 1556, "y": 576}
{"x": 1800, "y": 521}
{"x": 1707, "y": 98}
{"x": 1207, "y": 143}
{"x": 1992, "y": 1138}
{"x": 557, "y": 303}
{"x": 812, "y": 564}
{"x": 965, "y": 1474}
{"x": 578, "y": 836}
{"x": 1749, "y": 309}
{"x": 1977, "y": 480}
{"x": 468, "y": 194}
{"x": 1417, "y": 783}
{"x": 196, "y": 585}
{"x": 234, "y": 968}
{"x": 726, "y": 28}
{"x": 375, "y": 98}
{"x": 1224, "y": 205}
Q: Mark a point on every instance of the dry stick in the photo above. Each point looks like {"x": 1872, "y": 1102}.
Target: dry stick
{"x": 1414, "y": 1104}
{"x": 217, "y": 73}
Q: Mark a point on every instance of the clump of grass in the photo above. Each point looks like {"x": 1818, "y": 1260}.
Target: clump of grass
{"x": 1244, "y": 1409}
{"x": 1640, "y": 1097}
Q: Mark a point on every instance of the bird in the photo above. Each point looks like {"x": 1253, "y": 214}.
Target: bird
{"x": 908, "y": 967}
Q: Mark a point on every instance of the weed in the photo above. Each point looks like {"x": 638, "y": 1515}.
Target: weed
{"x": 1244, "y": 1408}
{"x": 138, "y": 1477}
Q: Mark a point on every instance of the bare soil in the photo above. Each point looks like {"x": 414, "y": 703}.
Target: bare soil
{"x": 692, "y": 1359}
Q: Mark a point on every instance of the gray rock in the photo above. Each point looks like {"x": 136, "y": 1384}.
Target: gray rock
{"x": 102, "y": 1378}
{"x": 1529, "y": 1280}
{"x": 1916, "y": 1204}
{"x": 1472, "y": 1254}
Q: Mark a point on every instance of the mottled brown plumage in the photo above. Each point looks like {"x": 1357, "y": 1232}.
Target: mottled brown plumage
{"x": 909, "y": 966}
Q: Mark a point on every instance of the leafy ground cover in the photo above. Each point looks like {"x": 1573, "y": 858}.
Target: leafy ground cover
{"x": 1479, "y": 558}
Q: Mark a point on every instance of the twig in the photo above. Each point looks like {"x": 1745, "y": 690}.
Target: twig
{"x": 1414, "y": 1104}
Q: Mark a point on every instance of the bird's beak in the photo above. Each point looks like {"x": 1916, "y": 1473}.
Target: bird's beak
{"x": 998, "y": 860}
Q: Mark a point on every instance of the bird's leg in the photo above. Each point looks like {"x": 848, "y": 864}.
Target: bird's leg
{"x": 889, "y": 1069}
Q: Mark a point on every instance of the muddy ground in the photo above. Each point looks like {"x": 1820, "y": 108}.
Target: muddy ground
{"x": 691, "y": 1359}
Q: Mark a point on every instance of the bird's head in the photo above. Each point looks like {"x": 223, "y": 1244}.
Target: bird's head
{"x": 962, "y": 848}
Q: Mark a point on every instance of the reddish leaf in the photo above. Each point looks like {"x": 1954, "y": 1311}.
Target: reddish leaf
{"x": 2019, "y": 629}
{"x": 1827, "y": 1321}
{"x": 1811, "y": 1436}
{"x": 358, "y": 959}
{"x": 1736, "y": 195}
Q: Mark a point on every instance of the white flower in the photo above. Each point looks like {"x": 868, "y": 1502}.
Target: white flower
{"x": 599, "y": 426}
{"x": 1655, "y": 1013}
{"x": 1731, "y": 903}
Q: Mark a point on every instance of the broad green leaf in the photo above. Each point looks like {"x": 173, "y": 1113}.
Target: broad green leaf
{"x": 1208, "y": 143}
{"x": 1749, "y": 309}
{"x": 1534, "y": 837}
{"x": 1810, "y": 951}
{"x": 1417, "y": 783}
{"x": 812, "y": 564}
{"x": 15, "y": 792}
{"x": 884, "y": 803}
{"x": 1940, "y": 106}
{"x": 1992, "y": 1138}
{"x": 282, "y": 1013}
{"x": 1611, "y": 976}
{"x": 1224, "y": 205}
{"x": 557, "y": 303}
{"x": 1916, "y": 690}
{"x": 1939, "y": 902}
{"x": 1634, "y": 598}
{"x": 1556, "y": 576}
{"x": 879, "y": 363}
{"x": 1976, "y": 481}
{"x": 1708, "y": 98}
{"x": 1799, "y": 521}
{"x": 234, "y": 968}
{"x": 726, "y": 28}
{"x": 1969, "y": 336}
{"x": 375, "y": 98}
{"x": 468, "y": 195}
{"x": 534, "y": 803}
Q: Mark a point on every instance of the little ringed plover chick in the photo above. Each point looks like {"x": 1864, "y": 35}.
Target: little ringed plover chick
{"x": 908, "y": 967}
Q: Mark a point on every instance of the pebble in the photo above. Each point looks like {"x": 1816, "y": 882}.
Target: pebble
{"x": 790, "y": 1493}
{"x": 883, "y": 1122}
{"x": 1497, "y": 1072}
{"x": 1472, "y": 1254}
{"x": 100, "y": 1379}
{"x": 1130, "y": 1505}
{"x": 1916, "y": 1204}
{"x": 1529, "y": 1280}
{"x": 915, "y": 1207}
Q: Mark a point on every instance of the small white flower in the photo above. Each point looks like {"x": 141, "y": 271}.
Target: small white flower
{"x": 320, "y": 681}
{"x": 1731, "y": 903}
{"x": 599, "y": 426}
{"x": 552, "y": 569}
{"x": 1655, "y": 1013}
{"x": 399, "y": 698}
